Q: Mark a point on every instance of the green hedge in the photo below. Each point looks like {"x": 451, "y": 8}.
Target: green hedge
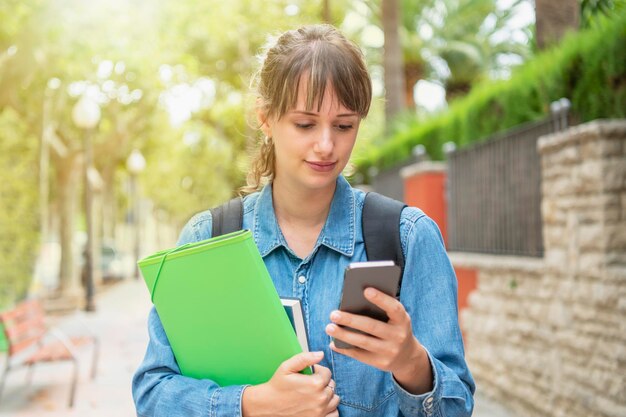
{"x": 588, "y": 67}
{"x": 19, "y": 214}
{"x": 4, "y": 345}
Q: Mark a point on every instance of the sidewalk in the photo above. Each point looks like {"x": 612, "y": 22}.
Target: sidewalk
{"x": 120, "y": 323}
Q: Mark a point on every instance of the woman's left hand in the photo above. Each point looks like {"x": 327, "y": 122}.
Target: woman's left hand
{"x": 387, "y": 346}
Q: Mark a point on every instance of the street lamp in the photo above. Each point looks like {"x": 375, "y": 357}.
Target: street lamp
{"x": 86, "y": 115}
{"x": 135, "y": 164}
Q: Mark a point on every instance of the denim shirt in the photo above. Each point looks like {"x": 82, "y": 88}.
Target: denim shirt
{"x": 428, "y": 293}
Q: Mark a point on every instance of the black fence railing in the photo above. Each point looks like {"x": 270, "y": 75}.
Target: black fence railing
{"x": 494, "y": 190}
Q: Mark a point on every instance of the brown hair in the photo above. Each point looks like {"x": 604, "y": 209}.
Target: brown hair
{"x": 325, "y": 56}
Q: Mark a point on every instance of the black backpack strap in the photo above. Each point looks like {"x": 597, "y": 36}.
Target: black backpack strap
{"x": 381, "y": 229}
{"x": 228, "y": 217}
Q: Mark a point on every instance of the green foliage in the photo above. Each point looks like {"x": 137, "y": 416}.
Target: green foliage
{"x": 588, "y": 67}
{"x": 465, "y": 36}
{"x": 19, "y": 220}
{"x": 193, "y": 172}
{"x": 591, "y": 9}
{"x": 4, "y": 344}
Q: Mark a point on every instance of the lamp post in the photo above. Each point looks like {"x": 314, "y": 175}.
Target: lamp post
{"x": 86, "y": 115}
{"x": 135, "y": 164}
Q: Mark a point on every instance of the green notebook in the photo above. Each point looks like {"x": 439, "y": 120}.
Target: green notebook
{"x": 220, "y": 310}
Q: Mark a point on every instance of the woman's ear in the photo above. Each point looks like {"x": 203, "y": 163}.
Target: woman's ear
{"x": 264, "y": 123}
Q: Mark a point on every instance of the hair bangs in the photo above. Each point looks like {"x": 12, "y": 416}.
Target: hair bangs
{"x": 321, "y": 65}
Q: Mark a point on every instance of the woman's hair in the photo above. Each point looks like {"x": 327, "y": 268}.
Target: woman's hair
{"x": 323, "y": 55}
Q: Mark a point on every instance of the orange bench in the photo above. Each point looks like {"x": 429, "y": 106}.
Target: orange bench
{"x": 30, "y": 342}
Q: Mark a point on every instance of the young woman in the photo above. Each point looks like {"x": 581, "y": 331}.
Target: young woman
{"x": 313, "y": 90}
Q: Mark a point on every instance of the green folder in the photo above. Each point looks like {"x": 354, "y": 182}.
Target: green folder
{"x": 220, "y": 310}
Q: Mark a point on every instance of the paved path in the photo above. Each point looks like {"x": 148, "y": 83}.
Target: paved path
{"x": 120, "y": 323}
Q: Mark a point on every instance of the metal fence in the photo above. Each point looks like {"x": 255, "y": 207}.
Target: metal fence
{"x": 494, "y": 190}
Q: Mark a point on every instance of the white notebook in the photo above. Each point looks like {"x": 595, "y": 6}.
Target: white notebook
{"x": 293, "y": 308}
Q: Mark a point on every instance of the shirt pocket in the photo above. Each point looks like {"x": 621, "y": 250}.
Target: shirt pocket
{"x": 359, "y": 385}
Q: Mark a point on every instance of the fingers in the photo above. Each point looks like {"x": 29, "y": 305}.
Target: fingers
{"x": 332, "y": 385}
{"x": 365, "y": 324}
{"x": 358, "y": 340}
{"x": 324, "y": 374}
{"x": 332, "y": 405}
{"x": 300, "y": 361}
{"x": 394, "y": 308}
{"x": 359, "y": 354}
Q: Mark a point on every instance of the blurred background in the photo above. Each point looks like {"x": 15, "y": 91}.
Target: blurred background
{"x": 138, "y": 112}
{"x": 121, "y": 119}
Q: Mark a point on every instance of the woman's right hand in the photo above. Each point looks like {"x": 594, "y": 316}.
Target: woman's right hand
{"x": 290, "y": 393}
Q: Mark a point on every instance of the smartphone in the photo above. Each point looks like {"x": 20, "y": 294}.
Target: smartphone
{"x": 382, "y": 275}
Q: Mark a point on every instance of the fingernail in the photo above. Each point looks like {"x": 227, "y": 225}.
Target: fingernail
{"x": 370, "y": 292}
{"x": 331, "y": 328}
{"x": 335, "y": 315}
{"x": 318, "y": 355}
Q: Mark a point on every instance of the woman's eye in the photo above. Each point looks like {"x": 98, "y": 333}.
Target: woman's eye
{"x": 344, "y": 127}
{"x": 304, "y": 125}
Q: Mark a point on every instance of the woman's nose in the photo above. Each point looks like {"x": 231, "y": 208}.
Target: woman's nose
{"x": 324, "y": 143}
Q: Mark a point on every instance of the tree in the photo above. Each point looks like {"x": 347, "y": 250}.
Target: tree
{"x": 19, "y": 217}
{"x": 590, "y": 9}
{"x": 466, "y": 40}
{"x": 392, "y": 60}
{"x": 136, "y": 58}
{"x": 59, "y": 41}
{"x": 554, "y": 18}
{"x": 415, "y": 65}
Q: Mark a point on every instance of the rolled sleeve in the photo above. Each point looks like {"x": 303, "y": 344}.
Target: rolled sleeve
{"x": 421, "y": 404}
{"x": 226, "y": 401}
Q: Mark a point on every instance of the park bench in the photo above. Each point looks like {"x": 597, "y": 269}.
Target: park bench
{"x": 30, "y": 341}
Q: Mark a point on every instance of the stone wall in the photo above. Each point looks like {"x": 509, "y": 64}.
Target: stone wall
{"x": 547, "y": 336}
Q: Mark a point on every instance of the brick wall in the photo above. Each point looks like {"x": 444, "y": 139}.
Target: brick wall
{"x": 548, "y": 336}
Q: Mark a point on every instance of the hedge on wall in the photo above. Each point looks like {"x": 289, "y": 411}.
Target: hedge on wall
{"x": 588, "y": 67}
{"x": 19, "y": 214}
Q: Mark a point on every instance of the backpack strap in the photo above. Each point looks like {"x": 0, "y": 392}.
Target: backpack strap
{"x": 227, "y": 218}
{"x": 381, "y": 229}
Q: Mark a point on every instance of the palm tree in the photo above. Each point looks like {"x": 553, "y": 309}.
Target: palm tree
{"x": 466, "y": 40}
{"x": 415, "y": 66}
{"x": 392, "y": 60}
{"x": 554, "y": 18}
{"x": 589, "y": 9}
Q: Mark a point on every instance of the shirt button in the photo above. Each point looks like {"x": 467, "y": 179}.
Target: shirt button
{"x": 429, "y": 400}
{"x": 301, "y": 279}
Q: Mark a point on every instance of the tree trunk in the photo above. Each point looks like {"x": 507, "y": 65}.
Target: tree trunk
{"x": 67, "y": 181}
{"x": 326, "y": 12}
{"x": 392, "y": 61}
{"x": 456, "y": 90}
{"x": 413, "y": 72}
{"x": 109, "y": 203}
{"x": 554, "y": 18}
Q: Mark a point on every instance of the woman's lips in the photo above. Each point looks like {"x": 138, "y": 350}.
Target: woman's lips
{"x": 320, "y": 166}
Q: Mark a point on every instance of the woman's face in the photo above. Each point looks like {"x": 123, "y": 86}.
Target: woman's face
{"x": 312, "y": 147}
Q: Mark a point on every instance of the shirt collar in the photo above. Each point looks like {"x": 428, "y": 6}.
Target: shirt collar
{"x": 338, "y": 232}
